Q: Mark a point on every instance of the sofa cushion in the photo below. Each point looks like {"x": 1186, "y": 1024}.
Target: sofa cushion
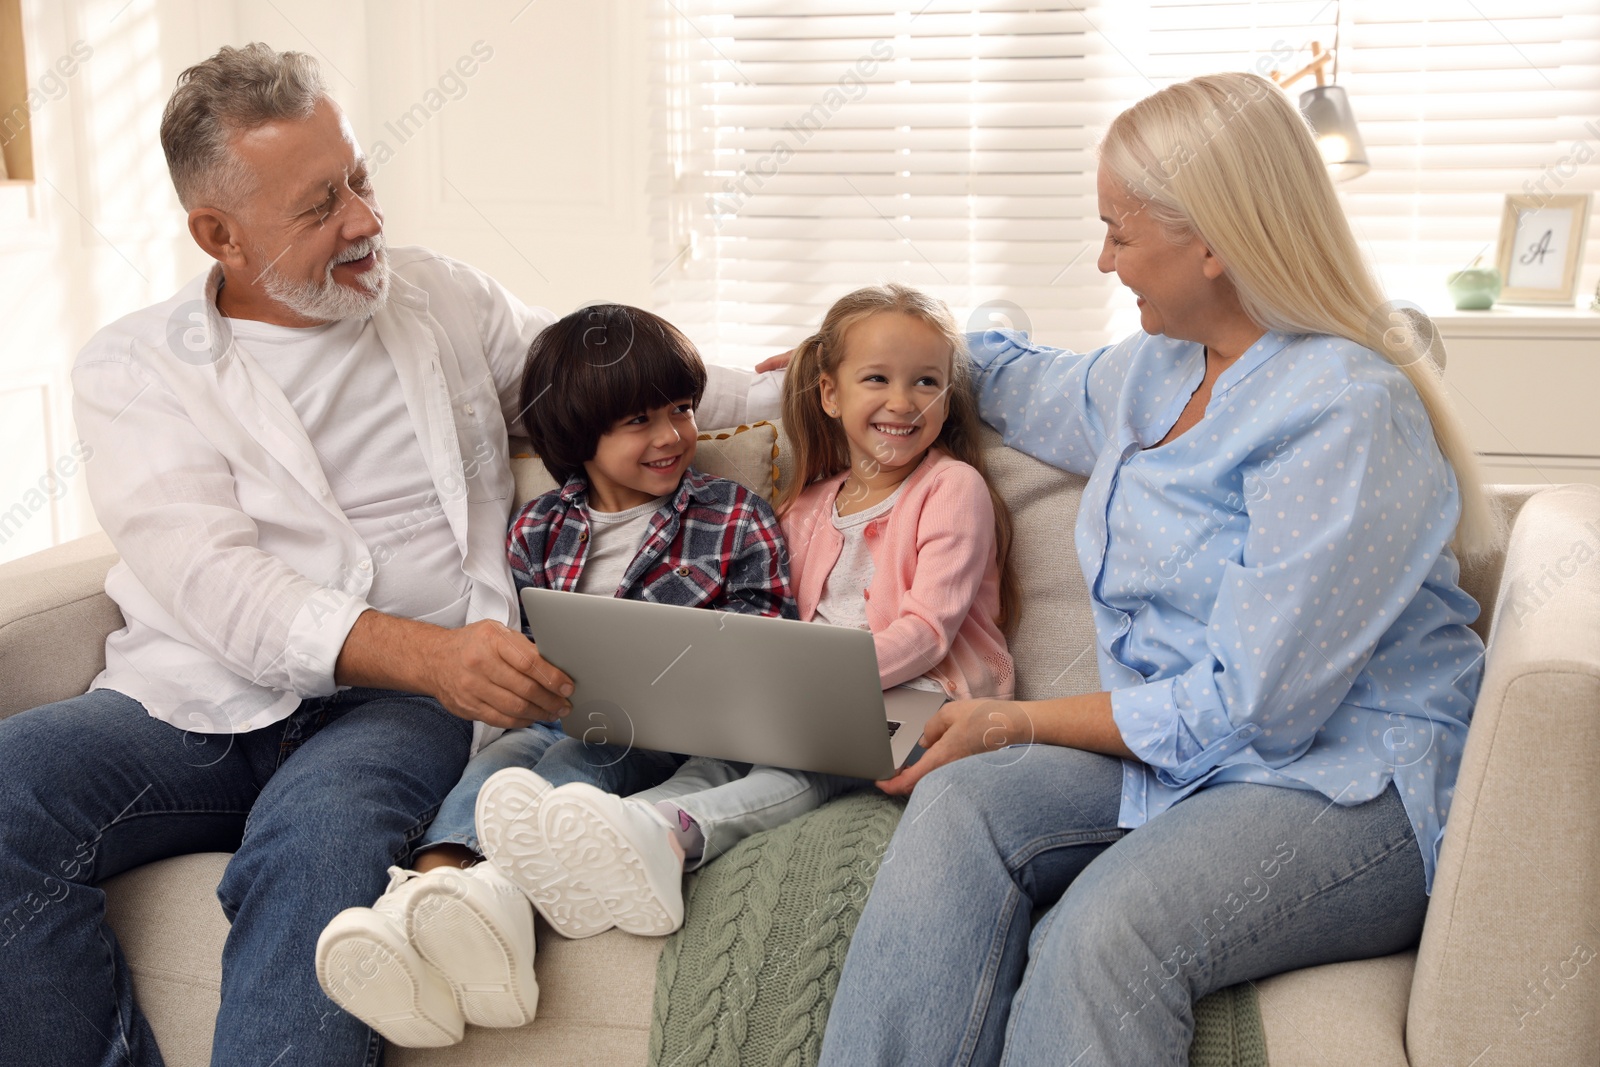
{"x": 594, "y": 1008}
{"x": 171, "y": 929}
{"x": 744, "y": 454}
{"x": 1341, "y": 1013}
{"x": 594, "y": 995}
{"x": 1480, "y": 578}
{"x": 1054, "y": 644}
{"x": 54, "y": 618}
{"x": 1505, "y": 971}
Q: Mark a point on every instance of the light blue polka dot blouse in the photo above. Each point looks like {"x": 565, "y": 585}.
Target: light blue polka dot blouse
{"x": 1274, "y": 596}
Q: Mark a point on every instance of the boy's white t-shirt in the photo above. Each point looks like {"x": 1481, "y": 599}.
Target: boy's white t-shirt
{"x": 614, "y": 539}
{"x": 843, "y": 601}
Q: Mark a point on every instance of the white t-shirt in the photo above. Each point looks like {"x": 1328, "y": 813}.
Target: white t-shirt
{"x": 340, "y": 380}
{"x": 614, "y": 540}
{"x": 844, "y": 601}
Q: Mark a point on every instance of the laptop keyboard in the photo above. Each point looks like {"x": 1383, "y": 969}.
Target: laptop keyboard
{"x": 893, "y": 726}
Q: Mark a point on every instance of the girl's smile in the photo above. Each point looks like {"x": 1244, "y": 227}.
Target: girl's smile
{"x": 888, "y": 393}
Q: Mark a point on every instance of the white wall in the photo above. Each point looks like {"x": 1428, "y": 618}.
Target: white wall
{"x": 536, "y": 171}
{"x": 531, "y": 168}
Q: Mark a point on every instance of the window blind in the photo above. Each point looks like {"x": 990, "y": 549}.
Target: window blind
{"x": 802, "y": 155}
{"x": 798, "y": 155}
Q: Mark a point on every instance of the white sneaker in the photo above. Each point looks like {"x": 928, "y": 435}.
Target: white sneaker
{"x": 476, "y": 929}
{"x": 623, "y": 851}
{"x": 511, "y": 838}
{"x": 367, "y": 965}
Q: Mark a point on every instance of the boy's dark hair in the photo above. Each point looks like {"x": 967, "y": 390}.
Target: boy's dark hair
{"x": 599, "y": 364}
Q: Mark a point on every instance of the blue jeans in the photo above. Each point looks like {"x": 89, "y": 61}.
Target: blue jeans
{"x": 455, "y": 823}
{"x": 1013, "y": 923}
{"x": 729, "y": 800}
{"x": 314, "y": 808}
{"x": 615, "y": 768}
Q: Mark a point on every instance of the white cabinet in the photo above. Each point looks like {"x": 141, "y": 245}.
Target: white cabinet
{"x": 1527, "y": 382}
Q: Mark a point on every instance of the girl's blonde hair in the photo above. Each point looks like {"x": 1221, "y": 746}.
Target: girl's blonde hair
{"x": 1228, "y": 159}
{"x": 820, "y": 446}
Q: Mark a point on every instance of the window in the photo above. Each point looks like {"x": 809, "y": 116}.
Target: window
{"x": 800, "y": 155}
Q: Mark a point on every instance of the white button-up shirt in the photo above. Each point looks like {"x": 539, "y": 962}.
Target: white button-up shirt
{"x": 240, "y": 577}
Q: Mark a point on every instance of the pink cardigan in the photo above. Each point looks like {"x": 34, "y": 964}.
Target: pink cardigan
{"x": 936, "y": 587}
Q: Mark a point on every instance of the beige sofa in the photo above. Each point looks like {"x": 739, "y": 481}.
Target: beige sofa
{"x": 1506, "y": 971}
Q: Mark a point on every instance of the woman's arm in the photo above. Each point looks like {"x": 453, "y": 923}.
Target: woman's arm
{"x": 1054, "y": 405}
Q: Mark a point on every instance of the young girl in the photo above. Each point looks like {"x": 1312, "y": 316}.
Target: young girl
{"x": 612, "y": 390}
{"x": 891, "y": 527}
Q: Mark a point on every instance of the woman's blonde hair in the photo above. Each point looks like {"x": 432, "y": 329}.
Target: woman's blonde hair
{"x": 820, "y": 446}
{"x": 1228, "y": 159}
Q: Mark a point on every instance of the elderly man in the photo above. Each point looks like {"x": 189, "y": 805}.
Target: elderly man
{"x": 301, "y": 458}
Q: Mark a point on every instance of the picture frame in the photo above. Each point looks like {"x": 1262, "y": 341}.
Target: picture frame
{"x": 1541, "y": 248}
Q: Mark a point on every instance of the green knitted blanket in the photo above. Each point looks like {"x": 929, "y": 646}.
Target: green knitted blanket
{"x": 750, "y": 977}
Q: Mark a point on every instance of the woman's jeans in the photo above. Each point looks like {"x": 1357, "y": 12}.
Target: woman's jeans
{"x": 523, "y": 747}
{"x": 314, "y": 808}
{"x": 730, "y": 801}
{"x": 1013, "y": 923}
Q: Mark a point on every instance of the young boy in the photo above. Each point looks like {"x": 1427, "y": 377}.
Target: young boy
{"x": 611, "y": 392}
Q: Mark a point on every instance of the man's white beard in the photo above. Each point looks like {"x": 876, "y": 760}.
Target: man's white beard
{"x": 327, "y": 300}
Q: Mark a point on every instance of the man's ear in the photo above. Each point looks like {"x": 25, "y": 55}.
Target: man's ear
{"x": 218, "y": 234}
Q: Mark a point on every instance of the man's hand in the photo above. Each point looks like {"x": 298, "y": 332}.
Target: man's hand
{"x": 964, "y": 728}
{"x": 490, "y": 673}
{"x": 483, "y": 672}
{"x": 777, "y": 362}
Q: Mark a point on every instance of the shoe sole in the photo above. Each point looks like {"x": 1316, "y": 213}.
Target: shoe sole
{"x": 584, "y": 842}
{"x": 507, "y": 816}
{"x": 373, "y": 981}
{"x": 475, "y": 955}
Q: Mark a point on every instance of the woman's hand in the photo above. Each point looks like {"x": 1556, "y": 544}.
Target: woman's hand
{"x": 964, "y": 728}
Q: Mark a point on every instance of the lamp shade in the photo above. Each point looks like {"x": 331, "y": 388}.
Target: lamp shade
{"x": 1327, "y": 109}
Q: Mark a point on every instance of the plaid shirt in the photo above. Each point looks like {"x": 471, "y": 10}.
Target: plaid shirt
{"x": 714, "y": 544}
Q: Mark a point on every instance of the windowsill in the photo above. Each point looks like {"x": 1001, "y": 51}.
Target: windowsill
{"x": 1520, "y": 320}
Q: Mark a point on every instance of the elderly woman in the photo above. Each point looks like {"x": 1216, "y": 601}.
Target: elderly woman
{"x": 1277, "y": 495}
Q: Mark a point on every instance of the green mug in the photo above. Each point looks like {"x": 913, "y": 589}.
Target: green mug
{"x": 1474, "y": 289}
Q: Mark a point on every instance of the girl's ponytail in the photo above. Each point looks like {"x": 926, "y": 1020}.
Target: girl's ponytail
{"x": 819, "y": 445}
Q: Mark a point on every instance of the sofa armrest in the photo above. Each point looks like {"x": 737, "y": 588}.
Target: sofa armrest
{"x": 1508, "y": 955}
{"x": 54, "y": 618}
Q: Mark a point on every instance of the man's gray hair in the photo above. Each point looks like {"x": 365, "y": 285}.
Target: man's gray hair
{"x": 237, "y": 89}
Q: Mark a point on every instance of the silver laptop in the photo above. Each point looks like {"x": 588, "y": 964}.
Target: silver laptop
{"x": 737, "y": 687}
